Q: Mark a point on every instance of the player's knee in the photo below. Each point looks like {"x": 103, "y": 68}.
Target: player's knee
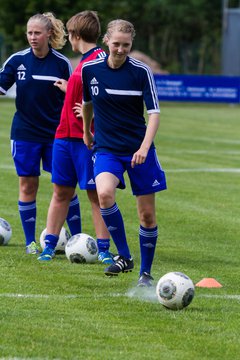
{"x": 28, "y": 188}
{"x": 147, "y": 219}
{"x": 61, "y": 195}
{"x": 106, "y": 199}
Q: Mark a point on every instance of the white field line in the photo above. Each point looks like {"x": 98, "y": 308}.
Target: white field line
{"x": 224, "y": 297}
{"x": 39, "y": 296}
{"x": 143, "y": 294}
{"x": 204, "y": 152}
{"x": 10, "y": 167}
{"x": 28, "y": 358}
{"x": 209, "y": 140}
{"x": 56, "y": 297}
{"x": 7, "y": 167}
{"x": 193, "y": 170}
{"x": 216, "y": 140}
{"x": 201, "y": 170}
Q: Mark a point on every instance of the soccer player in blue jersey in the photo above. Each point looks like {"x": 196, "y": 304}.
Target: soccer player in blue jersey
{"x": 116, "y": 88}
{"x": 38, "y": 109}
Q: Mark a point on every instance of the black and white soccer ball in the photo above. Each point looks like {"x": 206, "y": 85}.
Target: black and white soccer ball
{"x": 175, "y": 290}
{"x": 82, "y": 248}
{"x": 5, "y": 232}
{"x": 64, "y": 236}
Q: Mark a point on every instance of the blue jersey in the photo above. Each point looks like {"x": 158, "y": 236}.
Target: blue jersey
{"x": 38, "y": 101}
{"x": 118, "y": 97}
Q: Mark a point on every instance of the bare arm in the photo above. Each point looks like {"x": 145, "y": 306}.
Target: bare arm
{"x": 139, "y": 156}
{"x": 87, "y": 114}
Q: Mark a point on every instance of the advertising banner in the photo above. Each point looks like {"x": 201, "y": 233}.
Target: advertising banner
{"x": 198, "y": 88}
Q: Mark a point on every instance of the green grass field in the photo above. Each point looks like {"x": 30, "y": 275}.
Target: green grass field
{"x": 61, "y": 310}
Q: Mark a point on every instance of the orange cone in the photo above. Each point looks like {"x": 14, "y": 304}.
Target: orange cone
{"x": 209, "y": 283}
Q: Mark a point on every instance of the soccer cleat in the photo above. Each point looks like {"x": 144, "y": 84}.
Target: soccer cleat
{"x": 32, "y": 248}
{"x": 145, "y": 280}
{"x": 120, "y": 264}
{"x": 105, "y": 257}
{"x": 47, "y": 254}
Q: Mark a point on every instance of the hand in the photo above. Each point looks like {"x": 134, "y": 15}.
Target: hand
{"x": 61, "y": 84}
{"x": 139, "y": 157}
{"x": 88, "y": 139}
{"x": 77, "y": 109}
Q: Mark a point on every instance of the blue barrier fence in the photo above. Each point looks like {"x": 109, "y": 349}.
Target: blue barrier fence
{"x": 198, "y": 88}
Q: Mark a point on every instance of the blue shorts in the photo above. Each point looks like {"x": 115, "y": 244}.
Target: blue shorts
{"x": 27, "y": 157}
{"x": 72, "y": 164}
{"x": 146, "y": 178}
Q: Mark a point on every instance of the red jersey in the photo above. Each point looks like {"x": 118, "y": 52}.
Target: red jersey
{"x": 71, "y": 126}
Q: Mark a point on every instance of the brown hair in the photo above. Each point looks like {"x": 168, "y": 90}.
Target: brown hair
{"x": 86, "y": 25}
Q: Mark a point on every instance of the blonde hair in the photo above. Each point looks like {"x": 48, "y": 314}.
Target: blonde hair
{"x": 58, "y": 35}
{"x": 119, "y": 25}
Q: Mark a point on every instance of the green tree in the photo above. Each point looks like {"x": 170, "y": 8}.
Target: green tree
{"x": 184, "y": 36}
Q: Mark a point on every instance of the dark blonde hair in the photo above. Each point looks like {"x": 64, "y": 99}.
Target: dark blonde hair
{"x": 86, "y": 25}
{"x": 57, "y": 38}
{"x": 119, "y": 25}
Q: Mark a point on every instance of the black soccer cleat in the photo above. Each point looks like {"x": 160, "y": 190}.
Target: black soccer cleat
{"x": 121, "y": 264}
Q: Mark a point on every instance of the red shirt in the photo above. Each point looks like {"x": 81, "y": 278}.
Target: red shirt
{"x": 71, "y": 126}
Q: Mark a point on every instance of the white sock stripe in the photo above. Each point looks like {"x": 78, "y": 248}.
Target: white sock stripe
{"x": 110, "y": 211}
{"x": 74, "y": 202}
{"x": 144, "y": 233}
{"x": 26, "y": 207}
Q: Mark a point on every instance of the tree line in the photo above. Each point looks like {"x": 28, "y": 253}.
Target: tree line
{"x": 183, "y": 36}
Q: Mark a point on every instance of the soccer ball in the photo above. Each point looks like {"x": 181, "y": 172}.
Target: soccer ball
{"x": 175, "y": 290}
{"x": 64, "y": 236}
{"x": 82, "y": 248}
{"x": 5, "y": 232}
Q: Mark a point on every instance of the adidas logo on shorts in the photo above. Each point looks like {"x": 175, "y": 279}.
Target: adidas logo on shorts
{"x": 155, "y": 183}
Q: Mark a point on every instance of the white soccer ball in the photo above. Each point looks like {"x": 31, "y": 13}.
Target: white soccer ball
{"x": 82, "y": 248}
{"x": 64, "y": 236}
{"x": 5, "y": 232}
{"x": 175, "y": 290}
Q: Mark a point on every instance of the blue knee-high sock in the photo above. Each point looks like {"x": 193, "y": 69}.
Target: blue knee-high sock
{"x": 74, "y": 216}
{"x": 148, "y": 240}
{"x": 103, "y": 245}
{"x": 28, "y": 212}
{"x": 114, "y": 222}
{"x": 51, "y": 240}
